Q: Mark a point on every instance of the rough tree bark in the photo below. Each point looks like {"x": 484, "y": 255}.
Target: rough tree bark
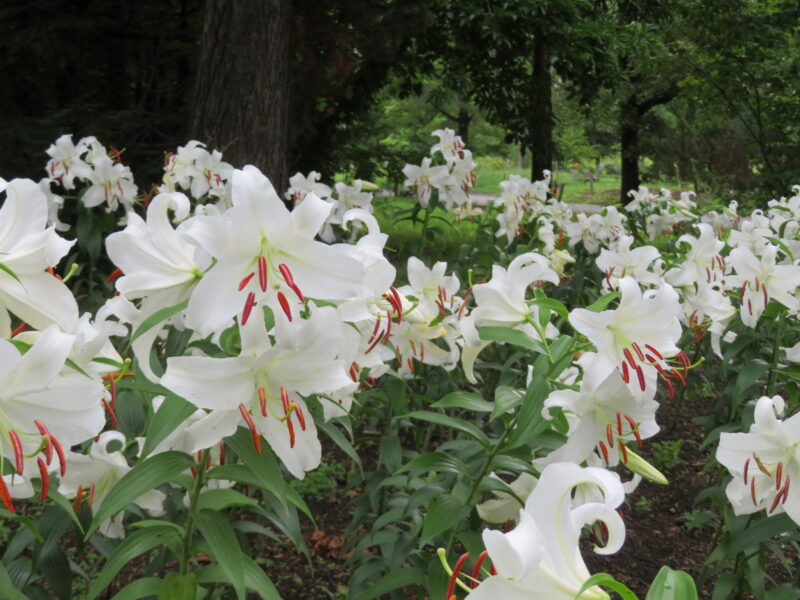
{"x": 241, "y": 104}
{"x": 541, "y": 123}
{"x": 631, "y": 113}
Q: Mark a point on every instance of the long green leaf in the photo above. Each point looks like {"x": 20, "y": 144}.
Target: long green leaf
{"x": 672, "y": 585}
{"x": 221, "y": 538}
{"x": 434, "y": 461}
{"x": 145, "y": 476}
{"x": 172, "y": 412}
{"x": 7, "y": 587}
{"x": 468, "y": 400}
{"x": 147, "y": 586}
{"x": 158, "y": 317}
{"x": 133, "y": 545}
{"x": 264, "y": 466}
{"x": 445, "y": 512}
{"x": 254, "y": 578}
{"x": 218, "y": 499}
{"x": 606, "y": 580}
{"x": 394, "y": 580}
{"x": 510, "y": 336}
{"x": 177, "y": 586}
{"x": 448, "y": 421}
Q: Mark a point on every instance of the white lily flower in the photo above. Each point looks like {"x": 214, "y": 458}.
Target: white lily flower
{"x": 301, "y": 186}
{"x": 540, "y": 559}
{"x": 504, "y": 507}
{"x": 761, "y": 280}
{"x": 44, "y": 406}
{"x": 112, "y": 184}
{"x": 449, "y": 143}
{"x": 623, "y": 260}
{"x": 260, "y": 387}
{"x": 764, "y": 462}
{"x": 95, "y": 475}
{"x": 262, "y": 252}
{"x": 601, "y": 417}
{"x": 636, "y": 336}
{"x": 425, "y": 178}
{"x": 702, "y": 262}
{"x": 65, "y": 162}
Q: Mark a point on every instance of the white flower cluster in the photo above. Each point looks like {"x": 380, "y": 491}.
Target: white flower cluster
{"x": 452, "y": 180}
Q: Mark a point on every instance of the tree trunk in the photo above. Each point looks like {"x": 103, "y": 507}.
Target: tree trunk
{"x": 541, "y": 124}
{"x": 464, "y": 119}
{"x": 629, "y": 148}
{"x": 241, "y": 104}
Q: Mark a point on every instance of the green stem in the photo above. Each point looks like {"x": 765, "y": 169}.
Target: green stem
{"x": 428, "y": 211}
{"x": 194, "y": 495}
{"x": 774, "y": 361}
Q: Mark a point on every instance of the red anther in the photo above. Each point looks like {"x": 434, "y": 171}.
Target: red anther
{"x": 287, "y": 274}
{"x": 248, "y": 307}
{"x": 624, "y": 450}
{"x": 603, "y": 533}
{"x": 388, "y": 327}
{"x": 766, "y": 295}
{"x": 758, "y": 283}
{"x": 654, "y": 351}
{"x": 208, "y": 461}
{"x": 456, "y": 572}
{"x": 48, "y": 444}
{"x": 285, "y": 305}
{"x": 634, "y": 430}
{"x": 629, "y": 358}
{"x": 252, "y": 426}
{"x": 610, "y": 435}
{"x": 222, "y": 453}
{"x": 621, "y": 513}
{"x": 753, "y": 491}
{"x": 746, "y": 468}
{"x": 297, "y": 292}
{"x": 19, "y": 457}
{"x": 476, "y": 570}
{"x": 785, "y": 490}
{"x": 262, "y": 400}
{"x": 78, "y": 500}
{"x": 375, "y": 329}
{"x": 45, "y": 479}
{"x": 640, "y": 375}
{"x": 114, "y": 274}
{"x": 285, "y": 401}
{"x": 413, "y": 348}
{"x": 193, "y": 471}
{"x": 778, "y": 476}
{"x": 493, "y": 570}
{"x": 638, "y": 350}
{"x": 410, "y": 364}
{"x": 626, "y": 377}
{"x": 604, "y": 450}
{"x": 355, "y": 367}
{"x": 301, "y": 418}
{"x": 353, "y": 375}
{"x": 670, "y": 390}
{"x": 243, "y": 283}
{"x": 5, "y": 496}
{"x": 62, "y": 459}
{"x": 619, "y": 423}
{"x": 708, "y": 274}
{"x": 374, "y": 343}
{"x": 421, "y": 352}
{"x": 111, "y": 415}
{"x": 23, "y": 326}
{"x": 463, "y": 303}
{"x": 290, "y": 427}
{"x": 262, "y": 273}
{"x": 399, "y": 302}
{"x": 744, "y": 287}
{"x": 775, "y": 503}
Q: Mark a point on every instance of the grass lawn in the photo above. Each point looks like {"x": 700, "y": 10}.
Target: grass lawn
{"x": 605, "y": 191}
